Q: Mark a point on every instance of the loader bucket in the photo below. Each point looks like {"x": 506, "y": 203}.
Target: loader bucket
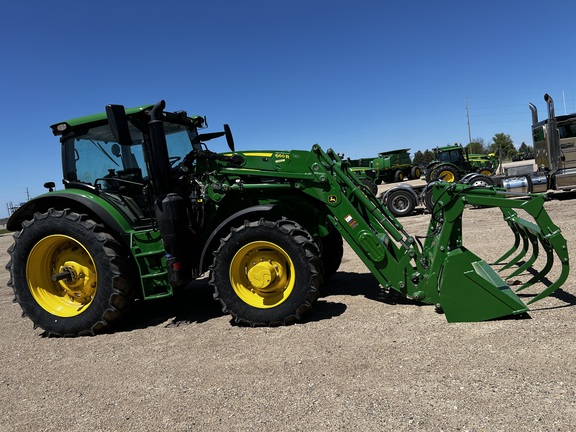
{"x": 470, "y": 290}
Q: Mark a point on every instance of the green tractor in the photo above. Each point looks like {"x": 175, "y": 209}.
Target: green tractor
{"x": 147, "y": 208}
{"x": 451, "y": 163}
{"x": 388, "y": 167}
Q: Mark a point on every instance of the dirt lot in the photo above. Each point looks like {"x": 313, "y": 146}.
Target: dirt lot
{"x": 355, "y": 363}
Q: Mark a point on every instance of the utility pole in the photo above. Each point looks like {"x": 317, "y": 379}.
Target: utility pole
{"x": 468, "y": 121}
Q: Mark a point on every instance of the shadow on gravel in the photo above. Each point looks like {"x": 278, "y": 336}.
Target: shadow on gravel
{"x": 363, "y": 284}
{"x": 195, "y": 304}
{"x": 560, "y": 294}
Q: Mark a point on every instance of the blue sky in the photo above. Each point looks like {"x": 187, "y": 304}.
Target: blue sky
{"x": 359, "y": 77}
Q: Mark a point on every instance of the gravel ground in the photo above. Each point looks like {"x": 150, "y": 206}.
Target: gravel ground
{"x": 355, "y": 363}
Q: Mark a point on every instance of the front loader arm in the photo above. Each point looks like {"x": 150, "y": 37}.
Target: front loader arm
{"x": 370, "y": 229}
{"x": 442, "y": 272}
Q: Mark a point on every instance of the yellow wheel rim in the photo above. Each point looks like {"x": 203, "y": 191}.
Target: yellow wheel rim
{"x": 75, "y": 288}
{"x": 447, "y": 176}
{"x": 262, "y": 274}
{"x": 486, "y": 172}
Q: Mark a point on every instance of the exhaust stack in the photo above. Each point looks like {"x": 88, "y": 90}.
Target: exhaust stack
{"x": 553, "y": 135}
{"x": 534, "y": 113}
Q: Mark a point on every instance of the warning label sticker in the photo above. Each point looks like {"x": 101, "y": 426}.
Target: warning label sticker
{"x": 350, "y": 221}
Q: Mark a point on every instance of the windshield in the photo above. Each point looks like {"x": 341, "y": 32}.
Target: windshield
{"x": 96, "y": 154}
{"x": 452, "y": 156}
{"x": 567, "y": 131}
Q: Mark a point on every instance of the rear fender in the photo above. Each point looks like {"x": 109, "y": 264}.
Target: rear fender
{"x": 78, "y": 201}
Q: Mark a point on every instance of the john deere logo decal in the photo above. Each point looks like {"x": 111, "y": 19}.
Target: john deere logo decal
{"x": 332, "y": 199}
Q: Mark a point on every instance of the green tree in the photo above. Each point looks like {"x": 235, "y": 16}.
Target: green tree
{"x": 503, "y": 146}
{"x": 526, "y": 150}
{"x": 423, "y": 158}
{"x": 418, "y": 158}
{"x": 477, "y": 146}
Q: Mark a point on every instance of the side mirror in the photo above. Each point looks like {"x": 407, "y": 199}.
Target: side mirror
{"x": 229, "y": 138}
{"x": 119, "y": 124}
{"x": 212, "y": 135}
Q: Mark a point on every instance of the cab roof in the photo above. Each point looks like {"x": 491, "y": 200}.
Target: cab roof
{"x": 61, "y": 127}
{"x": 88, "y": 121}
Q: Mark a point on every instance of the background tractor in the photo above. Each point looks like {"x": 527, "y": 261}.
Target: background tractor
{"x": 147, "y": 207}
{"x": 451, "y": 163}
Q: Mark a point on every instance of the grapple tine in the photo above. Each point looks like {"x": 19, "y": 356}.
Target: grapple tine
{"x": 558, "y": 243}
{"x": 524, "y": 250}
{"x": 557, "y": 284}
{"x": 553, "y": 241}
{"x": 528, "y": 263}
{"x": 508, "y": 214}
{"x": 547, "y": 267}
{"x": 513, "y": 249}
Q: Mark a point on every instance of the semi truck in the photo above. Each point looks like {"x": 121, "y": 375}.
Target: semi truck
{"x": 554, "y": 164}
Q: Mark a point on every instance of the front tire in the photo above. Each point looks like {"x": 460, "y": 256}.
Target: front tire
{"x": 92, "y": 289}
{"x": 481, "y": 180}
{"x": 266, "y": 273}
{"x": 331, "y": 253}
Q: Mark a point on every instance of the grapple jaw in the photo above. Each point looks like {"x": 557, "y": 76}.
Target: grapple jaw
{"x": 544, "y": 233}
{"x": 468, "y": 288}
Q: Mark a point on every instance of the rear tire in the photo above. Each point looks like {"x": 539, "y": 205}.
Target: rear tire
{"x": 485, "y": 171}
{"x": 400, "y": 202}
{"x": 266, "y": 273}
{"x": 398, "y": 176}
{"x": 97, "y": 289}
{"x": 445, "y": 173}
{"x": 415, "y": 172}
{"x": 370, "y": 185}
{"x": 427, "y": 197}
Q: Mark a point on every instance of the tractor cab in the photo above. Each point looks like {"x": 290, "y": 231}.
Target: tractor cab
{"x": 118, "y": 155}
{"x": 94, "y": 157}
